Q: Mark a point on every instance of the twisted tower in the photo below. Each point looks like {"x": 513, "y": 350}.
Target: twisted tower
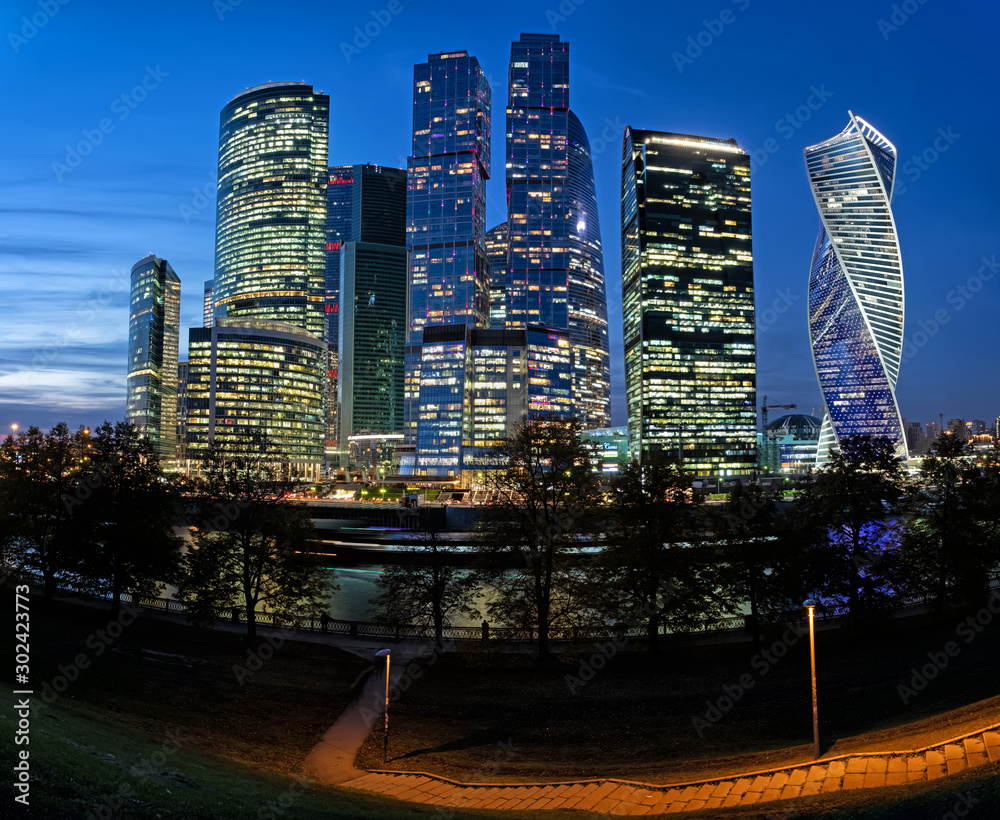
{"x": 856, "y": 287}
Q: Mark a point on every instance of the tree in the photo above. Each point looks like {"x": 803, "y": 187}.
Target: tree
{"x": 653, "y": 568}
{"x": 252, "y": 548}
{"x": 851, "y": 502}
{"x": 950, "y": 547}
{"x": 37, "y": 490}
{"x": 759, "y": 564}
{"x": 123, "y": 540}
{"x": 425, "y": 587}
{"x": 545, "y": 493}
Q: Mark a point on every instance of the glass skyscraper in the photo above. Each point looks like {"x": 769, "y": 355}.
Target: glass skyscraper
{"x": 496, "y": 252}
{"x": 688, "y": 301}
{"x": 555, "y": 264}
{"x": 254, "y": 375}
{"x": 446, "y": 210}
{"x": 856, "y": 287}
{"x": 208, "y": 305}
{"x": 271, "y": 212}
{"x": 154, "y": 328}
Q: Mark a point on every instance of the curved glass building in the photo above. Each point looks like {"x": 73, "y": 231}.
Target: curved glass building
{"x": 856, "y": 287}
{"x": 555, "y": 268}
{"x": 271, "y": 211}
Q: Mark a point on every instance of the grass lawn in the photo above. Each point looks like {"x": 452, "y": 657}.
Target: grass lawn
{"x": 636, "y": 717}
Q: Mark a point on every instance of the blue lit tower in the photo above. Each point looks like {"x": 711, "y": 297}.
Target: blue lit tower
{"x": 555, "y": 270}
{"x": 856, "y": 287}
{"x": 446, "y": 205}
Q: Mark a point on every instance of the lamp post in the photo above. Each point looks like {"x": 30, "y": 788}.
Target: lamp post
{"x": 810, "y": 605}
{"x": 385, "y": 653}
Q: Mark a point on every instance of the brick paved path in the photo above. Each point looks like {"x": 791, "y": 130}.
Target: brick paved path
{"x": 856, "y": 771}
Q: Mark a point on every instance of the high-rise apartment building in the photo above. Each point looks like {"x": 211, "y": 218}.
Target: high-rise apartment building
{"x": 496, "y": 252}
{"x": 154, "y": 329}
{"x": 253, "y": 375}
{"x": 856, "y": 287}
{"x": 555, "y": 264}
{"x": 271, "y": 211}
{"x": 688, "y": 301}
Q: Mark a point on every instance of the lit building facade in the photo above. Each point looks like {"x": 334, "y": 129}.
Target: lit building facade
{"x": 856, "y": 287}
{"x": 555, "y": 263}
{"x": 252, "y": 375}
{"x": 182, "y": 406}
{"x": 154, "y": 329}
{"x": 496, "y": 252}
{"x": 688, "y": 301}
{"x": 446, "y": 206}
{"x": 271, "y": 212}
{"x": 208, "y": 305}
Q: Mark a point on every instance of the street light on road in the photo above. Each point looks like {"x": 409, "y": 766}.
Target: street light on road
{"x": 810, "y": 606}
{"x": 385, "y": 653}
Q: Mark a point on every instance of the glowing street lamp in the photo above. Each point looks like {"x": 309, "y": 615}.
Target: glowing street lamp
{"x": 810, "y": 605}
{"x": 385, "y": 653}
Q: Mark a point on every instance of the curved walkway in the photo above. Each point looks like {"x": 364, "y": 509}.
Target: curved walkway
{"x": 624, "y": 797}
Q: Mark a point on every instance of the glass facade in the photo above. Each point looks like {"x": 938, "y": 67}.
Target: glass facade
{"x": 271, "y": 212}
{"x": 257, "y": 375}
{"x": 182, "y": 406}
{"x": 154, "y": 329}
{"x": 555, "y": 263}
{"x": 496, "y": 252}
{"x": 208, "y": 306}
{"x": 372, "y": 339}
{"x": 688, "y": 301}
{"x": 856, "y": 287}
{"x": 446, "y": 210}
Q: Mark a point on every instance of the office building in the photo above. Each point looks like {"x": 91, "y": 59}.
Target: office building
{"x": 154, "y": 329}
{"x": 688, "y": 301}
{"x": 208, "y": 305}
{"x": 252, "y": 375}
{"x": 555, "y": 266}
{"x": 496, "y": 252}
{"x": 182, "y": 403}
{"x": 856, "y": 287}
{"x": 271, "y": 212}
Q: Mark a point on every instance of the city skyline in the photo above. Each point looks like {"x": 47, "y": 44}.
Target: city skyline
{"x": 76, "y": 220}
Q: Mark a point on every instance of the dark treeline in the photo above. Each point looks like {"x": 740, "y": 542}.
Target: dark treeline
{"x": 94, "y": 510}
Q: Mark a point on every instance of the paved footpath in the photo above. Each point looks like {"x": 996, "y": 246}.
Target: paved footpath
{"x": 613, "y": 796}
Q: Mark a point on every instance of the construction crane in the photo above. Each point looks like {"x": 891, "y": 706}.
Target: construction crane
{"x": 765, "y": 407}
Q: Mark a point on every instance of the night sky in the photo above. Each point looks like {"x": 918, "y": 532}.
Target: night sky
{"x": 140, "y": 86}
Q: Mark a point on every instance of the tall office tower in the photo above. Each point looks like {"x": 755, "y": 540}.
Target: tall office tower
{"x": 478, "y": 383}
{"x": 957, "y": 427}
{"x": 208, "y": 304}
{"x": 446, "y": 205}
{"x": 856, "y": 287}
{"x": 555, "y": 265}
{"x": 154, "y": 327}
{"x": 271, "y": 213}
{"x": 249, "y": 375}
{"x": 688, "y": 301}
{"x": 366, "y": 205}
{"x": 182, "y": 407}
{"x": 496, "y": 252}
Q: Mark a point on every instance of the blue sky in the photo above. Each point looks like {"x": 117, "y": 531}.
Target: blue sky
{"x": 140, "y": 86}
